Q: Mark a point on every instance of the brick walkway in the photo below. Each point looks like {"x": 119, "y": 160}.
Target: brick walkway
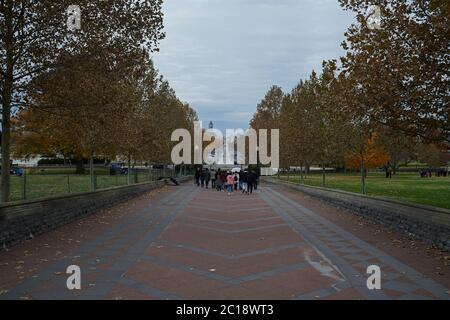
{"x": 201, "y": 244}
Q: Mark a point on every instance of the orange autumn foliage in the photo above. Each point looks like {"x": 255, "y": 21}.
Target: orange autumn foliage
{"x": 374, "y": 156}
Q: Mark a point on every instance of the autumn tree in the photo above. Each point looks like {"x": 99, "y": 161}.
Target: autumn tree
{"x": 403, "y": 67}
{"x": 312, "y": 122}
{"x": 33, "y": 135}
{"x": 374, "y": 156}
{"x": 400, "y": 147}
{"x": 330, "y": 121}
{"x": 115, "y": 111}
{"x": 268, "y": 110}
{"x": 165, "y": 113}
{"x": 87, "y": 115}
{"x": 34, "y": 33}
{"x": 296, "y": 132}
{"x": 370, "y": 156}
{"x": 388, "y": 93}
{"x": 287, "y": 132}
{"x": 432, "y": 154}
{"x": 267, "y": 115}
{"x": 141, "y": 82}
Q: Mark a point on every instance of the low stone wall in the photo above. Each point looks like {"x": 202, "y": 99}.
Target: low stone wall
{"x": 23, "y": 220}
{"x": 427, "y": 223}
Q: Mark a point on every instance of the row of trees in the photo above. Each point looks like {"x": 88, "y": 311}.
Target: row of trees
{"x": 387, "y": 99}
{"x": 86, "y": 93}
{"x": 87, "y": 109}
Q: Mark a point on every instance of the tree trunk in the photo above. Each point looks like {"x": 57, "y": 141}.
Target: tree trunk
{"x": 301, "y": 174}
{"x": 80, "y": 166}
{"x": 129, "y": 170}
{"x": 6, "y": 136}
{"x": 323, "y": 175}
{"x": 6, "y": 98}
{"x": 135, "y": 172}
{"x": 91, "y": 172}
{"x": 363, "y": 176}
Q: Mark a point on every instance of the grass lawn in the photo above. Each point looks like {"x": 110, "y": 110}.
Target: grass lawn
{"x": 51, "y": 182}
{"x": 56, "y": 170}
{"x": 433, "y": 191}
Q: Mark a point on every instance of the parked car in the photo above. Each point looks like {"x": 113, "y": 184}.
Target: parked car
{"x": 16, "y": 171}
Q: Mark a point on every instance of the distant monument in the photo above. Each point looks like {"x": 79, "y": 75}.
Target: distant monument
{"x": 212, "y": 156}
{"x": 213, "y": 153}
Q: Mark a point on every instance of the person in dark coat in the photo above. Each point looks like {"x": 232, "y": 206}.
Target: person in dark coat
{"x": 241, "y": 173}
{"x": 256, "y": 180}
{"x": 202, "y": 178}
{"x": 244, "y": 181}
{"x": 219, "y": 182}
{"x": 197, "y": 177}
{"x": 207, "y": 177}
{"x": 251, "y": 180}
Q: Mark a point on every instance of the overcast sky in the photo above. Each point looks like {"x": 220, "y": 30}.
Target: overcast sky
{"x": 221, "y": 56}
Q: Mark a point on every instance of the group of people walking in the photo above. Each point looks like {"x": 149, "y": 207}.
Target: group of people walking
{"x": 227, "y": 181}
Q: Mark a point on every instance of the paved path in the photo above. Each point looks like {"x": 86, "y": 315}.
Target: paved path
{"x": 201, "y": 244}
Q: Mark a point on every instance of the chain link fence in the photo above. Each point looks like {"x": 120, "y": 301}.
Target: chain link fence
{"x": 32, "y": 186}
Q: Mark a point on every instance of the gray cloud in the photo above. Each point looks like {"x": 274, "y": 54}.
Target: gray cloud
{"x": 221, "y": 56}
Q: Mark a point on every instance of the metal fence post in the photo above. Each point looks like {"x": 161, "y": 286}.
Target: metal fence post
{"x": 91, "y": 173}
{"x": 24, "y": 185}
